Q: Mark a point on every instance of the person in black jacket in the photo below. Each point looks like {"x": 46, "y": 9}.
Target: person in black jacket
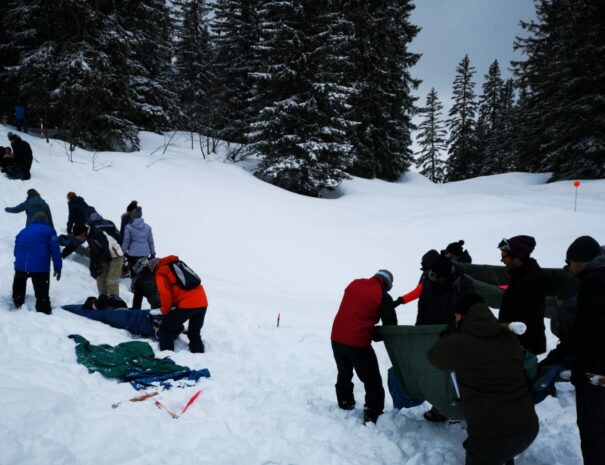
{"x": 441, "y": 291}
{"x": 78, "y": 212}
{"x": 143, "y": 285}
{"x": 586, "y": 260}
{"x": 23, "y": 155}
{"x": 525, "y": 298}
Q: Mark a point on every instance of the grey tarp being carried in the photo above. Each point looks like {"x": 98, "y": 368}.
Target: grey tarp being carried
{"x": 407, "y": 347}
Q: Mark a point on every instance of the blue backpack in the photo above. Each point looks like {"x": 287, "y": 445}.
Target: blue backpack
{"x": 186, "y": 278}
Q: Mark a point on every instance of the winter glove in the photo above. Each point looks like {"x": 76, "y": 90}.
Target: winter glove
{"x": 152, "y": 256}
{"x": 518, "y": 328}
{"x": 397, "y": 302}
{"x": 57, "y": 274}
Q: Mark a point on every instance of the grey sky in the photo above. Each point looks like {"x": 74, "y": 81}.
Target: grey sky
{"x": 483, "y": 29}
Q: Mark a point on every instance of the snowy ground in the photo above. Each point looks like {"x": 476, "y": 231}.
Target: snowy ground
{"x": 260, "y": 251}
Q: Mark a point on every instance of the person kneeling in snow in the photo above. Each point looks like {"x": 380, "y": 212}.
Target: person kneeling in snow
{"x": 178, "y": 304}
{"x": 488, "y": 363}
{"x": 365, "y": 302}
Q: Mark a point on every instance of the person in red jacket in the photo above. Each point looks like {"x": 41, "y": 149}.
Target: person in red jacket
{"x": 178, "y": 306}
{"x": 365, "y": 302}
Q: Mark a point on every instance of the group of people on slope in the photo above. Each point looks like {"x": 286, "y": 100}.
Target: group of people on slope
{"x": 479, "y": 348}
{"x": 16, "y": 160}
{"x": 38, "y": 244}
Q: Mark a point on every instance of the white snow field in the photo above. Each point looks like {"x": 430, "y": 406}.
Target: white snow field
{"x": 261, "y": 251}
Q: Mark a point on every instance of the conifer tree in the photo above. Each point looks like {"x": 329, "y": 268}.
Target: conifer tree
{"x": 488, "y": 134}
{"x": 151, "y": 102}
{"x": 235, "y": 30}
{"x": 562, "y": 114}
{"x": 381, "y": 103}
{"x": 299, "y": 131}
{"x": 431, "y": 139}
{"x": 462, "y": 150}
{"x": 193, "y": 66}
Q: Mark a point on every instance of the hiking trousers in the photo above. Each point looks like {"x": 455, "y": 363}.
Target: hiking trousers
{"x": 365, "y": 364}
{"x": 590, "y": 408}
{"x": 108, "y": 282}
{"x": 498, "y": 451}
{"x": 41, "y": 282}
{"x": 172, "y": 324}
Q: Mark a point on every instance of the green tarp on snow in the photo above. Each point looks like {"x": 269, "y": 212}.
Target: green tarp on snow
{"x": 407, "y": 347}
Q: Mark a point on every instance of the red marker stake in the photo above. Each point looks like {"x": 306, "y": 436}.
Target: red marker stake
{"x": 278, "y": 315}
{"x": 576, "y": 184}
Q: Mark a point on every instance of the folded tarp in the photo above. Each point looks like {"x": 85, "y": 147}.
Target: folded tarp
{"x": 136, "y": 321}
{"x": 407, "y": 347}
{"x": 133, "y": 362}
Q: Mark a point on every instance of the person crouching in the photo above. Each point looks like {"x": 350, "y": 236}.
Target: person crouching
{"x": 488, "y": 363}
{"x": 178, "y": 305}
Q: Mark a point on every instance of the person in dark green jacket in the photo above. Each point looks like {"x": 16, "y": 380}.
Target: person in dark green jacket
{"x": 488, "y": 363}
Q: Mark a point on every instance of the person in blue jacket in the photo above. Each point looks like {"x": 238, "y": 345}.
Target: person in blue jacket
{"x": 35, "y": 246}
{"x": 33, "y": 204}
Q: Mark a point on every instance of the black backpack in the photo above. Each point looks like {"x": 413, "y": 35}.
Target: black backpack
{"x": 186, "y": 278}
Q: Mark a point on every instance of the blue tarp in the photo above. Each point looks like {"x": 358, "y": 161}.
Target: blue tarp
{"x": 136, "y": 321}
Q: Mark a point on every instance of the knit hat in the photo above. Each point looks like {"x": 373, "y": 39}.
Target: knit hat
{"x": 79, "y": 229}
{"x": 41, "y": 217}
{"x": 518, "y": 246}
{"x": 466, "y": 301}
{"x": 442, "y": 266}
{"x": 427, "y": 259}
{"x": 583, "y": 249}
{"x": 455, "y": 248}
{"x": 132, "y": 205}
{"x": 152, "y": 264}
{"x": 137, "y": 213}
{"x": 387, "y": 278}
{"x": 12, "y": 136}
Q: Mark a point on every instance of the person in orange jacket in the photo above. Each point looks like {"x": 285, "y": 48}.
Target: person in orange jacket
{"x": 178, "y": 305}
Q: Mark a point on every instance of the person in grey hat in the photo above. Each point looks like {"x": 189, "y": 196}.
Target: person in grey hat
{"x": 364, "y": 304}
{"x": 35, "y": 247}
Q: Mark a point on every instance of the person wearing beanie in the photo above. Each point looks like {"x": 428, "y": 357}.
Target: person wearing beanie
{"x": 77, "y": 212}
{"x": 137, "y": 241}
{"x": 365, "y": 302}
{"x": 524, "y": 299}
{"x": 488, "y": 363}
{"x": 586, "y": 260}
{"x": 35, "y": 247}
{"x": 34, "y": 203}
{"x": 444, "y": 287}
{"x": 456, "y": 253}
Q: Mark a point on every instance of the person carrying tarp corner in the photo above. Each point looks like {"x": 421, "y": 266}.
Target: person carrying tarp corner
{"x": 488, "y": 363}
{"x": 525, "y": 298}
{"x": 587, "y": 347}
{"x": 23, "y": 155}
{"x": 425, "y": 266}
{"x": 35, "y": 246}
{"x": 33, "y": 204}
{"x": 181, "y": 299}
{"x": 364, "y": 304}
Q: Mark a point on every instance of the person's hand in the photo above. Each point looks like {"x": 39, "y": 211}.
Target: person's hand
{"x": 57, "y": 274}
{"x": 155, "y": 312}
{"x": 397, "y": 302}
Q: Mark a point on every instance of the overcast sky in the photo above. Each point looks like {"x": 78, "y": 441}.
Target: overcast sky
{"x": 483, "y": 29}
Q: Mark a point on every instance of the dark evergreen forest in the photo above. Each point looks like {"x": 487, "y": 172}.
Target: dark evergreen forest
{"x": 319, "y": 90}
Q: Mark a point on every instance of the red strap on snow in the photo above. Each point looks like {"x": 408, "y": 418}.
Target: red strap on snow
{"x": 191, "y": 401}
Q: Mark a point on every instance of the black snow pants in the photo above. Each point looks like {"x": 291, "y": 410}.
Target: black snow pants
{"x": 365, "y": 364}
{"x": 41, "y": 283}
{"x": 172, "y": 324}
{"x": 498, "y": 451}
{"x": 590, "y": 407}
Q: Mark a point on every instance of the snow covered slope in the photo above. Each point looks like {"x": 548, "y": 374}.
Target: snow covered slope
{"x": 260, "y": 251}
